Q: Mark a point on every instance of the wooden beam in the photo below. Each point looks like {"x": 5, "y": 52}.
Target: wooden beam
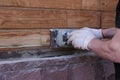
{"x": 60, "y": 4}
{"x": 91, "y": 4}
{"x": 37, "y": 19}
{"x": 83, "y": 19}
{"x": 108, "y": 19}
{"x": 24, "y": 38}
{"x": 108, "y": 5}
{"x": 104, "y": 5}
{"x": 27, "y": 18}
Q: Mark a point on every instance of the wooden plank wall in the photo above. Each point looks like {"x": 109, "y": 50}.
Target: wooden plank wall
{"x": 25, "y": 23}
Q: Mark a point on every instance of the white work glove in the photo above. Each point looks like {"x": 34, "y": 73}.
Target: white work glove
{"x": 81, "y": 38}
{"x": 97, "y": 32}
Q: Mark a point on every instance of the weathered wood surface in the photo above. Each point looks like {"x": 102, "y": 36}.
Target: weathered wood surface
{"x": 37, "y": 19}
{"x": 83, "y": 19}
{"x": 91, "y": 4}
{"x": 24, "y": 38}
{"x": 62, "y": 4}
{"x": 26, "y": 23}
{"x": 25, "y": 18}
{"x": 108, "y": 5}
{"x": 108, "y": 19}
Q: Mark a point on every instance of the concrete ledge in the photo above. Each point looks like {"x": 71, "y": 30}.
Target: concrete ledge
{"x": 63, "y": 65}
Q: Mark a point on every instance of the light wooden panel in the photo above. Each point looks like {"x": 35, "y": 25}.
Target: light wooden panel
{"x": 37, "y": 19}
{"x": 27, "y": 18}
{"x": 108, "y": 19}
{"x": 24, "y": 38}
{"x": 61, "y": 4}
{"x": 83, "y": 19}
{"x": 100, "y": 5}
{"x": 91, "y": 4}
{"x": 108, "y": 5}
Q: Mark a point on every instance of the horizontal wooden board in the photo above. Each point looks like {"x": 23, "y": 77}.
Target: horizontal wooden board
{"x": 91, "y": 4}
{"x": 27, "y": 18}
{"x": 108, "y": 19}
{"x": 100, "y": 5}
{"x": 37, "y": 19}
{"x": 108, "y": 5}
{"x": 61, "y": 4}
{"x": 24, "y": 38}
{"x": 83, "y": 19}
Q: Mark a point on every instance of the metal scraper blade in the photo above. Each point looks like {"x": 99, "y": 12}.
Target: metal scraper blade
{"x": 59, "y": 38}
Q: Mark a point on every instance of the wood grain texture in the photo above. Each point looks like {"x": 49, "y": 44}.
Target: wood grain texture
{"x": 91, "y": 4}
{"x": 60, "y": 4}
{"x": 83, "y": 19}
{"x": 38, "y": 19}
{"x": 108, "y": 19}
{"x": 108, "y": 5}
{"x": 24, "y": 38}
{"x": 26, "y": 23}
{"x": 27, "y": 18}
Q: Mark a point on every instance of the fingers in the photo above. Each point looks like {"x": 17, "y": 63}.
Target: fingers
{"x": 73, "y": 35}
{"x": 76, "y": 45}
{"x": 70, "y": 38}
{"x": 80, "y": 38}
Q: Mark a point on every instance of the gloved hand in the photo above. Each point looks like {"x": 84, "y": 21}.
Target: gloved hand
{"x": 81, "y": 38}
{"x": 97, "y": 32}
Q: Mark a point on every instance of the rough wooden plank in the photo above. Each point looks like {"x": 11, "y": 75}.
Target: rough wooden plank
{"x": 60, "y": 4}
{"x": 91, "y": 4}
{"x": 108, "y": 19}
{"x": 83, "y": 19}
{"x": 37, "y": 19}
{"x": 108, "y": 5}
{"x": 27, "y": 18}
{"x": 24, "y": 38}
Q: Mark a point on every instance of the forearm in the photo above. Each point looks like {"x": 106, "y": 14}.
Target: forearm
{"x": 109, "y": 33}
{"x": 103, "y": 49}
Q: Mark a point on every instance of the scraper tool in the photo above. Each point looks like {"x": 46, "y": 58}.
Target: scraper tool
{"x": 59, "y": 38}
